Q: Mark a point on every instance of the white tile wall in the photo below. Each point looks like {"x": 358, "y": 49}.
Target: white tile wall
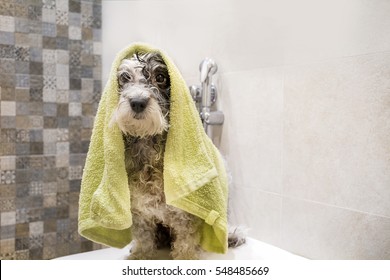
{"x": 253, "y": 104}
{"x": 325, "y": 232}
{"x": 336, "y": 129}
{"x": 305, "y": 89}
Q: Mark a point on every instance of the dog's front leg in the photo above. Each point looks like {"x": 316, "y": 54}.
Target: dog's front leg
{"x": 186, "y": 237}
{"x": 143, "y": 232}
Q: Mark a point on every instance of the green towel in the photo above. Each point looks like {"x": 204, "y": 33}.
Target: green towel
{"x": 194, "y": 176}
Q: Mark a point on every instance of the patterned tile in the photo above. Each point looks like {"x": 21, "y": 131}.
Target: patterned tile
{"x": 34, "y": 13}
{"x": 7, "y": 8}
{"x": 21, "y": 215}
{"x": 21, "y": 53}
{"x": 62, "y": 56}
{"x": 7, "y": 204}
{"x": 36, "y": 228}
{"x": 22, "y": 255}
{"x": 36, "y": 188}
{"x": 36, "y": 241}
{"x": 7, "y": 177}
{"x": 50, "y": 201}
{"x": 50, "y": 78}
{"x": 8, "y": 256}
{"x": 50, "y": 239}
{"x": 22, "y": 81}
{"x": 7, "y": 51}
{"x": 49, "y": 4}
{"x": 22, "y": 243}
{"x": 62, "y": 17}
{"x": 75, "y": 172}
{"x": 74, "y": 33}
{"x": 49, "y": 56}
{"x": 49, "y": 253}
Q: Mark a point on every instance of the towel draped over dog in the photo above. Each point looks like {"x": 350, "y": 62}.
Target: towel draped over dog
{"x": 194, "y": 176}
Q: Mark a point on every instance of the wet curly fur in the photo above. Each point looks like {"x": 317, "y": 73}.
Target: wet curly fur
{"x": 142, "y": 115}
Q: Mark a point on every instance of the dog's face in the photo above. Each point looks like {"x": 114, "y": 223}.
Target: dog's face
{"x": 144, "y": 88}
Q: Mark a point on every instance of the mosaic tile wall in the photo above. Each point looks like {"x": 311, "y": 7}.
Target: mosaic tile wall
{"x": 50, "y": 85}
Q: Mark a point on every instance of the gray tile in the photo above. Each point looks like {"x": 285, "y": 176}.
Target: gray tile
{"x": 74, "y": 19}
{"x": 49, "y": 29}
{"x": 36, "y": 54}
{"x": 35, "y": 28}
{"x": 7, "y": 66}
{"x": 22, "y": 81}
{"x": 36, "y": 135}
{"x": 7, "y": 232}
{"x": 50, "y": 109}
{"x": 7, "y": 38}
{"x": 22, "y": 67}
{"x": 48, "y": 15}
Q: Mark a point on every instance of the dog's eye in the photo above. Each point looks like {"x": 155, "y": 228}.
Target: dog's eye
{"x": 125, "y": 78}
{"x": 160, "y": 78}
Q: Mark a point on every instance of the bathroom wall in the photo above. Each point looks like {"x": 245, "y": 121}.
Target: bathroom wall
{"x": 305, "y": 87}
{"x": 50, "y": 83}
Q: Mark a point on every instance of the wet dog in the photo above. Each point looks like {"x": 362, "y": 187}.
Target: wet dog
{"x": 142, "y": 115}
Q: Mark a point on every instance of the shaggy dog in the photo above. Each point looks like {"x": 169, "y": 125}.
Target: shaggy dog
{"x": 142, "y": 115}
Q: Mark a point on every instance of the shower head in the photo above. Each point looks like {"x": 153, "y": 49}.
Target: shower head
{"x": 207, "y": 68}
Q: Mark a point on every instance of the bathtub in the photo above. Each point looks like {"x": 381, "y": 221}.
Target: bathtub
{"x": 251, "y": 250}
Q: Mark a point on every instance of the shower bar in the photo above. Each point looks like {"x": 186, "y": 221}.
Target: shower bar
{"x": 205, "y": 95}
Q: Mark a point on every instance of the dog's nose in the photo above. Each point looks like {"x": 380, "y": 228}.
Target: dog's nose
{"x": 138, "y": 105}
